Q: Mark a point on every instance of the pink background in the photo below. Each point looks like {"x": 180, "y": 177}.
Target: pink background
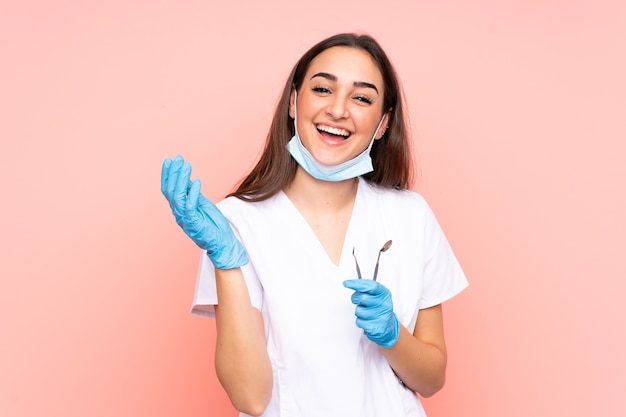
{"x": 518, "y": 111}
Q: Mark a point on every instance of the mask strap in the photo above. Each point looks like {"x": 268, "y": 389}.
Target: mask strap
{"x": 378, "y": 127}
{"x": 295, "y": 111}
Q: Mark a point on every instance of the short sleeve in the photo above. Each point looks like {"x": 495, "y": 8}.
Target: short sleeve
{"x": 205, "y": 297}
{"x": 443, "y": 276}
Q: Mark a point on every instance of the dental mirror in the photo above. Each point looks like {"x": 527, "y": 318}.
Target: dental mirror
{"x": 386, "y": 246}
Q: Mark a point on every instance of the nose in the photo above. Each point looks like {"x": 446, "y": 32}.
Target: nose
{"x": 337, "y": 107}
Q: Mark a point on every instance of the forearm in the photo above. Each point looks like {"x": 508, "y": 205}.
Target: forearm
{"x": 420, "y": 366}
{"x": 241, "y": 360}
{"x": 420, "y": 359}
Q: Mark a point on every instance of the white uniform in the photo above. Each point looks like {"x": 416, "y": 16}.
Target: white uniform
{"x": 322, "y": 363}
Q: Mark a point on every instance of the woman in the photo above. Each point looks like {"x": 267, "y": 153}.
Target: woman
{"x": 328, "y": 197}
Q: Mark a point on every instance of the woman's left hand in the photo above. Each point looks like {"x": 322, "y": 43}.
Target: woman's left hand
{"x": 374, "y": 311}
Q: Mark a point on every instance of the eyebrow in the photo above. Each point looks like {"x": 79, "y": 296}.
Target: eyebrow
{"x": 331, "y": 77}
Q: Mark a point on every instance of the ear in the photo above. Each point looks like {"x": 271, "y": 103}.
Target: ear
{"x": 292, "y": 103}
{"x": 384, "y": 125}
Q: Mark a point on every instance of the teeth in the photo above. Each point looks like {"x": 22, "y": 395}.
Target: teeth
{"x": 333, "y": 131}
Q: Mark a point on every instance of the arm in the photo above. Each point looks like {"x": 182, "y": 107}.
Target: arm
{"x": 241, "y": 358}
{"x": 420, "y": 359}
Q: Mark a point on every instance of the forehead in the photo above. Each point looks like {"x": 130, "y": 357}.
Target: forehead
{"x": 347, "y": 64}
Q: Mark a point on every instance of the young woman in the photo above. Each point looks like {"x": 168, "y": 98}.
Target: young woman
{"x": 324, "y": 229}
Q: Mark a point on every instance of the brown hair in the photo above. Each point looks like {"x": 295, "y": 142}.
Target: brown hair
{"x": 391, "y": 155}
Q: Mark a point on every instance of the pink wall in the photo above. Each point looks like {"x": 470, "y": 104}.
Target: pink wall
{"x": 518, "y": 112}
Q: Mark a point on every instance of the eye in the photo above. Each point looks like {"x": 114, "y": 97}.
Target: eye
{"x": 321, "y": 90}
{"x": 363, "y": 99}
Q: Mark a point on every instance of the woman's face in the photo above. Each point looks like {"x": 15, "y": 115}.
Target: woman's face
{"x": 339, "y": 105}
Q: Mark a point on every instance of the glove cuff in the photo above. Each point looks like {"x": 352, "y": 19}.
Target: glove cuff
{"x": 234, "y": 258}
{"x": 393, "y": 335}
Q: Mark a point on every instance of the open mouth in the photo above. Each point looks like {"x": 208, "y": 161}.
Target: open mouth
{"x": 334, "y": 131}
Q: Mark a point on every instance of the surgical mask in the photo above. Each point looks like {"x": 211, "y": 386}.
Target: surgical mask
{"x": 359, "y": 165}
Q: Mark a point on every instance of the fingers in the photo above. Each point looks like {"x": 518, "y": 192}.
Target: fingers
{"x": 165, "y": 172}
{"x": 193, "y": 195}
{"x": 364, "y": 285}
{"x": 181, "y": 185}
{"x": 367, "y": 293}
{"x": 168, "y": 175}
{"x": 364, "y": 314}
{"x": 175, "y": 176}
{"x": 193, "y": 218}
{"x": 374, "y": 311}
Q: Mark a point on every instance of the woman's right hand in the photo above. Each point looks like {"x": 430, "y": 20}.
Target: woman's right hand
{"x": 199, "y": 218}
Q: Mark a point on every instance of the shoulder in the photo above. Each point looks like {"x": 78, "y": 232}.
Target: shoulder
{"x": 232, "y": 203}
{"x": 397, "y": 198}
{"x": 406, "y": 209}
{"x": 236, "y": 209}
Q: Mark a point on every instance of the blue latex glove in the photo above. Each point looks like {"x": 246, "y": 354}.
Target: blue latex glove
{"x": 200, "y": 219}
{"x": 374, "y": 311}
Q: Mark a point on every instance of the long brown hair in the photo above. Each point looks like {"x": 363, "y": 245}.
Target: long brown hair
{"x": 391, "y": 155}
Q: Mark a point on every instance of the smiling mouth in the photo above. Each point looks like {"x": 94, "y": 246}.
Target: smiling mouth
{"x": 339, "y": 133}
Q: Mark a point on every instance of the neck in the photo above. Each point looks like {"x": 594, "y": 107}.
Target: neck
{"x": 321, "y": 195}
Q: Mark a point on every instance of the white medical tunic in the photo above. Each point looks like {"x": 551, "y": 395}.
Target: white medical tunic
{"x": 322, "y": 363}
